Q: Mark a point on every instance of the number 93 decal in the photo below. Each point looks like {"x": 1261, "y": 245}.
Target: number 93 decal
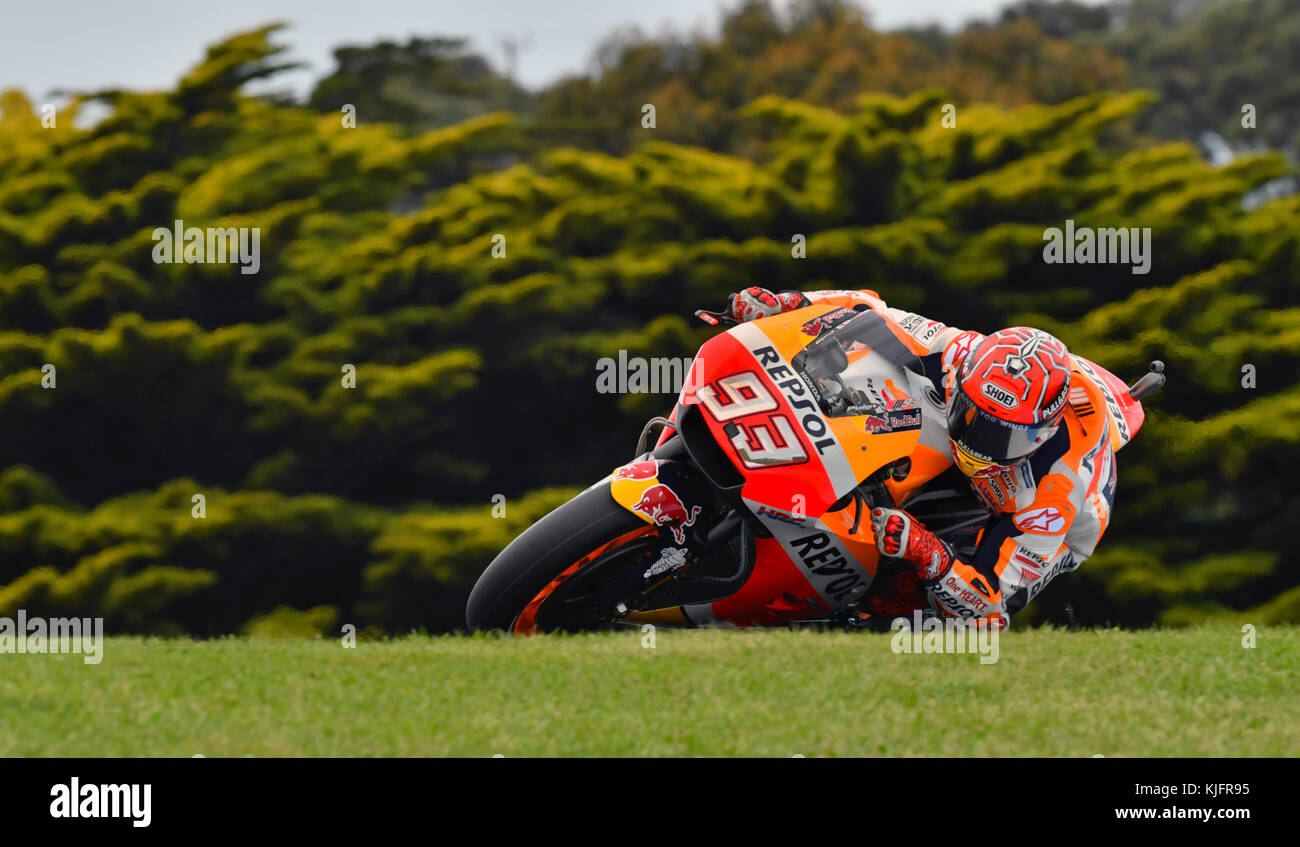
{"x": 762, "y": 442}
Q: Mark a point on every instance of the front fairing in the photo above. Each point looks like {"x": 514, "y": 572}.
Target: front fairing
{"x": 794, "y": 447}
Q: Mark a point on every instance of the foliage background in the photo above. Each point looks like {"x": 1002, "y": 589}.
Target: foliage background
{"x": 476, "y": 377}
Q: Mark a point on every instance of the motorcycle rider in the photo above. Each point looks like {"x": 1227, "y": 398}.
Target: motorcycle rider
{"x": 1034, "y": 430}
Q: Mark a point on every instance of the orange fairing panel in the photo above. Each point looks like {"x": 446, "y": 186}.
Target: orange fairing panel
{"x": 927, "y": 463}
{"x": 767, "y": 418}
{"x": 775, "y": 593}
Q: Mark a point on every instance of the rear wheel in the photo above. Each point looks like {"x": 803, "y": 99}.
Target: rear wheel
{"x": 559, "y": 573}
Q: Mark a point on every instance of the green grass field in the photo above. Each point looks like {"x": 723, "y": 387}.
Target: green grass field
{"x": 697, "y": 693}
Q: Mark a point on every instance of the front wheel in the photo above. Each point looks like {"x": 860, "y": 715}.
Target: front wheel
{"x": 555, "y": 575}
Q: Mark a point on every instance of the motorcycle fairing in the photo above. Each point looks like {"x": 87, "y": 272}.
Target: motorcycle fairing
{"x": 797, "y": 462}
{"x": 767, "y": 418}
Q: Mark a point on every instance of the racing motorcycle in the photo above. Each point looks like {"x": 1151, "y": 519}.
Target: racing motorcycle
{"x": 749, "y": 509}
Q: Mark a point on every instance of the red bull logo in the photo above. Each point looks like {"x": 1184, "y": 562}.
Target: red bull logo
{"x": 830, "y": 320}
{"x": 893, "y": 420}
{"x": 906, "y": 420}
{"x": 875, "y": 423}
{"x": 663, "y": 507}
{"x": 638, "y": 470}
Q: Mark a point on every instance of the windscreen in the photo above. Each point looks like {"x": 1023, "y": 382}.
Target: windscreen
{"x": 829, "y": 363}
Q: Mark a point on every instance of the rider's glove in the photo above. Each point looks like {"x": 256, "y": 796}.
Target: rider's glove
{"x": 755, "y": 302}
{"x": 901, "y": 535}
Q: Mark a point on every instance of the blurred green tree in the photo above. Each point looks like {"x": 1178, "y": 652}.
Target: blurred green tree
{"x": 469, "y": 302}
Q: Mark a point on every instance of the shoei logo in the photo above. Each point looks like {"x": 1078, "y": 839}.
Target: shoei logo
{"x": 998, "y": 395}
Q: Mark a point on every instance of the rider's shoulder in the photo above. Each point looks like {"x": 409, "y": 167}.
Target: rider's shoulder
{"x": 1052, "y": 510}
{"x": 1064, "y": 471}
{"x": 958, "y": 346}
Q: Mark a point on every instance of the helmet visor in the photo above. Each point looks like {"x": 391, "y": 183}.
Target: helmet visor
{"x": 984, "y": 444}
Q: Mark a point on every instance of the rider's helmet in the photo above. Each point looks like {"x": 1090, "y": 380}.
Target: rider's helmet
{"x": 1006, "y": 398}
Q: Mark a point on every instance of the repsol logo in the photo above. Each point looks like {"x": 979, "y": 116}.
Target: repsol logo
{"x": 836, "y": 578}
{"x": 797, "y": 395}
{"x": 1065, "y": 564}
{"x": 951, "y": 601}
{"x": 998, "y": 395}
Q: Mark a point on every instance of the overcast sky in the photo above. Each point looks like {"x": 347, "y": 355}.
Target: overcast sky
{"x": 147, "y": 44}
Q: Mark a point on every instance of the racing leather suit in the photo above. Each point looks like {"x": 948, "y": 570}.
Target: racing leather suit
{"x": 1047, "y": 515}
